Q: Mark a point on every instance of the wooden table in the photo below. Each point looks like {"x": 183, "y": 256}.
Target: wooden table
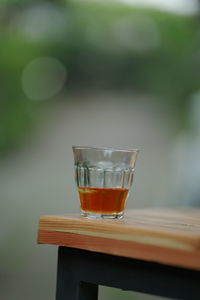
{"x": 149, "y": 251}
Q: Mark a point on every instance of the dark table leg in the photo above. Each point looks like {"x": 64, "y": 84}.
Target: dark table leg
{"x": 80, "y": 272}
{"x": 69, "y": 284}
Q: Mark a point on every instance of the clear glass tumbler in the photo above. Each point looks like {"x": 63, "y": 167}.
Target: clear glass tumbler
{"x": 104, "y": 177}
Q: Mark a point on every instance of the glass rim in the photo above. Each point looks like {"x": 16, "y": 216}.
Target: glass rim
{"x": 105, "y": 148}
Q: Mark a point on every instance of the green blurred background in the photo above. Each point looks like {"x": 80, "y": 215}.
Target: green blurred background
{"x": 91, "y": 73}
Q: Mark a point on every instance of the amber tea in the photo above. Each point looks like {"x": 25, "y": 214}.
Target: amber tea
{"x": 102, "y": 200}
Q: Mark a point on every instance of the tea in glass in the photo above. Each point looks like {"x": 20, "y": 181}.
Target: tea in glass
{"x": 104, "y": 177}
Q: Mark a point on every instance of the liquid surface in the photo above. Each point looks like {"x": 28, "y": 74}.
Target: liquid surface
{"x": 102, "y": 200}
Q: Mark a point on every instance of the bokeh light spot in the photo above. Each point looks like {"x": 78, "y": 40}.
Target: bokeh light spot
{"x": 43, "y": 78}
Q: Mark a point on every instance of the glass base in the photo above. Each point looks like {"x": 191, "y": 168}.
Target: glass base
{"x": 92, "y": 215}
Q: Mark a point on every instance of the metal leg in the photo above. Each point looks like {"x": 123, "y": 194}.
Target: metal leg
{"x": 88, "y": 291}
{"x": 69, "y": 285}
{"x": 80, "y": 272}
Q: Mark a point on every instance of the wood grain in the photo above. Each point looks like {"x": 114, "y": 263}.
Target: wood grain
{"x": 164, "y": 236}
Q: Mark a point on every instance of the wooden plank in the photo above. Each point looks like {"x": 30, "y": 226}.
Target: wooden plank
{"x": 164, "y": 236}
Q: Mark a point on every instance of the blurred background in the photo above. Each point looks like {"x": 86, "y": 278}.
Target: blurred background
{"x": 100, "y": 73}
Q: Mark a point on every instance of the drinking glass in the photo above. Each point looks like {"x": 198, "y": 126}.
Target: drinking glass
{"x": 104, "y": 177}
